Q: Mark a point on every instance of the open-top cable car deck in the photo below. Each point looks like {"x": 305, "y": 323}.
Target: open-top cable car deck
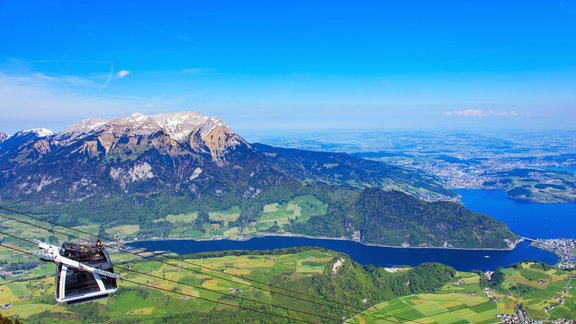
{"x": 82, "y": 272}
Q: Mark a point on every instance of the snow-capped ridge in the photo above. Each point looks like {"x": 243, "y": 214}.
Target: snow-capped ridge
{"x": 80, "y": 129}
{"x": 40, "y": 132}
{"x": 180, "y": 125}
{"x": 177, "y": 125}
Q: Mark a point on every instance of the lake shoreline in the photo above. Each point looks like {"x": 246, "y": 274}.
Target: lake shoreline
{"x": 518, "y": 199}
{"x": 527, "y": 220}
{"x": 261, "y": 235}
{"x": 460, "y": 259}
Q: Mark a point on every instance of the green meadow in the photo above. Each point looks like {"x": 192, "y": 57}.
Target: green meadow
{"x": 463, "y": 300}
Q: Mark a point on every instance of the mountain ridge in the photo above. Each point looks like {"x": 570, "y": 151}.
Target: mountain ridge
{"x": 179, "y": 147}
{"x": 139, "y": 169}
{"x": 331, "y": 167}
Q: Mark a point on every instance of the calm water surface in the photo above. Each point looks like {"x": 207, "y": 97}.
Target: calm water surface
{"x": 465, "y": 260}
{"x": 526, "y": 219}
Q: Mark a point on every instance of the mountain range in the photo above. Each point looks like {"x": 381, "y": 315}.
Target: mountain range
{"x": 143, "y": 168}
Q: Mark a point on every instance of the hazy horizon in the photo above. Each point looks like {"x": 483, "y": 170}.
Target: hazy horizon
{"x": 339, "y": 134}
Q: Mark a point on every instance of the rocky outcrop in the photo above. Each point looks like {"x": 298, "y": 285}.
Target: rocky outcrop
{"x": 173, "y": 133}
{"x": 179, "y": 153}
{"x": 138, "y": 172}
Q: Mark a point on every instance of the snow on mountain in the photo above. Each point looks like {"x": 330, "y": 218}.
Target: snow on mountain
{"x": 178, "y": 126}
{"x": 80, "y": 130}
{"x": 40, "y": 132}
{"x": 172, "y": 152}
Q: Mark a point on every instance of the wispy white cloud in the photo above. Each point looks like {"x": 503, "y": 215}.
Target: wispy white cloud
{"x": 108, "y": 79}
{"x": 503, "y": 113}
{"x": 112, "y": 76}
{"x": 466, "y": 113}
{"x": 122, "y": 73}
{"x": 197, "y": 71}
{"x": 39, "y": 100}
{"x": 41, "y": 80}
{"x": 70, "y": 61}
{"x": 485, "y": 113}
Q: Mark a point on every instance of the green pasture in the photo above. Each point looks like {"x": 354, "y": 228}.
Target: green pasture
{"x": 182, "y": 218}
{"x": 431, "y": 308}
{"x": 228, "y": 215}
{"x": 32, "y": 296}
{"x": 299, "y": 209}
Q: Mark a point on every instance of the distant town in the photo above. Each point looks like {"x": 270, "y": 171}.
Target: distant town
{"x": 528, "y": 166}
{"x": 565, "y": 249}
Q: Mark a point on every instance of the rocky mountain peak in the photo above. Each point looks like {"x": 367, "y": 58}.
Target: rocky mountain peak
{"x": 3, "y": 137}
{"x": 187, "y": 129}
{"x": 38, "y": 132}
{"x": 180, "y": 125}
{"x": 81, "y": 129}
{"x": 177, "y": 125}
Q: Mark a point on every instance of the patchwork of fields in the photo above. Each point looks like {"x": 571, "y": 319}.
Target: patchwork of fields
{"x": 33, "y": 293}
{"x": 461, "y": 301}
{"x": 223, "y": 223}
{"x": 544, "y": 292}
{"x": 537, "y": 288}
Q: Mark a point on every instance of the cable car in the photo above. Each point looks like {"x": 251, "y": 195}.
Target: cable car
{"x": 83, "y": 272}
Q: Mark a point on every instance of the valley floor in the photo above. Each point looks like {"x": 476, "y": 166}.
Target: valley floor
{"x": 541, "y": 293}
{"x": 545, "y": 293}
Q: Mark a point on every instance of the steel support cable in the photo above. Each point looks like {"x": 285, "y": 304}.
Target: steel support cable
{"x": 197, "y": 287}
{"x": 172, "y": 265}
{"x": 349, "y": 306}
{"x": 355, "y": 308}
{"x": 184, "y": 294}
{"x": 207, "y": 289}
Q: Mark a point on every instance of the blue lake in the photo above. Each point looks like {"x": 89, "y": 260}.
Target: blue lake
{"x": 465, "y": 260}
{"x": 526, "y": 219}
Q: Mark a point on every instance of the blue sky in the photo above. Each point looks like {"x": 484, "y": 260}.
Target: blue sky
{"x": 275, "y": 66}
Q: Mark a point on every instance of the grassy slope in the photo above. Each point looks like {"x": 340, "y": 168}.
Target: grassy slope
{"x": 306, "y": 270}
{"x": 32, "y": 297}
{"x": 375, "y": 216}
{"x": 456, "y": 302}
{"x": 303, "y": 270}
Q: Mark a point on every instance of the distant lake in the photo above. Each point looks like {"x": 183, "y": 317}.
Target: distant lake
{"x": 567, "y": 169}
{"x": 526, "y": 219}
{"x": 464, "y": 260}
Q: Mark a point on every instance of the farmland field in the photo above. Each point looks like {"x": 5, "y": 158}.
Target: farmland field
{"x": 300, "y": 209}
{"x": 464, "y": 301}
{"x": 460, "y": 301}
{"x": 31, "y": 297}
{"x": 219, "y": 222}
{"x": 545, "y": 293}
{"x": 229, "y": 215}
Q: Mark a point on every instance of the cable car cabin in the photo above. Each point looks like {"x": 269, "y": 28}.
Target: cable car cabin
{"x": 82, "y": 272}
{"x": 75, "y": 285}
